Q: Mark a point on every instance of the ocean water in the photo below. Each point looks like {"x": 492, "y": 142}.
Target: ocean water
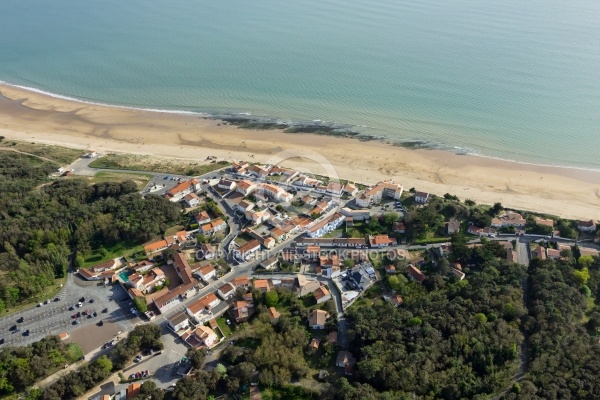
{"x": 511, "y": 79}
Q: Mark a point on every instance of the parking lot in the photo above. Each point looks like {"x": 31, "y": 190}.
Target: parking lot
{"x": 159, "y": 184}
{"x": 56, "y": 317}
{"x": 163, "y": 367}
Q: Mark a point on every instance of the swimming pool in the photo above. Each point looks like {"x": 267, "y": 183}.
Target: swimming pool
{"x": 124, "y": 276}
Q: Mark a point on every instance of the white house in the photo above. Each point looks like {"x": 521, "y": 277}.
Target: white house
{"x": 509, "y": 219}
{"x": 183, "y": 189}
{"x": 192, "y": 200}
{"x": 322, "y": 294}
{"x": 201, "y": 336}
{"x": 199, "y": 310}
{"x": 244, "y": 252}
{"x": 374, "y": 195}
{"x": 350, "y": 189}
{"x": 226, "y": 291}
{"x": 208, "y": 251}
{"x": 421, "y": 197}
{"x": 178, "y": 321}
{"x": 326, "y": 225}
{"x": 586, "y": 226}
{"x": 205, "y": 273}
{"x": 213, "y": 227}
{"x": 244, "y": 206}
{"x": 335, "y": 188}
{"x": 246, "y": 187}
{"x": 226, "y": 184}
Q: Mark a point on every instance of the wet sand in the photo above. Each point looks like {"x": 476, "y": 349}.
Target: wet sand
{"x": 35, "y": 117}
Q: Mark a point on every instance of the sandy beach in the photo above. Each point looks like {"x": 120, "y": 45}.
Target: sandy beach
{"x": 35, "y": 117}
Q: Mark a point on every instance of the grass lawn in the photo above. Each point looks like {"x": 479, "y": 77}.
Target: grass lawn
{"x": 141, "y": 180}
{"x": 74, "y": 352}
{"x": 224, "y": 327}
{"x": 173, "y": 230}
{"x": 120, "y": 249}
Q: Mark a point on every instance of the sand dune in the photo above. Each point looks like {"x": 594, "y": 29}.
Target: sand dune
{"x": 35, "y": 117}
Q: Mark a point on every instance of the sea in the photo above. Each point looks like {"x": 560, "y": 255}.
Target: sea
{"x": 509, "y": 79}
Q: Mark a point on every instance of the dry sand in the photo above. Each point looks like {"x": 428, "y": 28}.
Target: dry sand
{"x": 35, "y": 117}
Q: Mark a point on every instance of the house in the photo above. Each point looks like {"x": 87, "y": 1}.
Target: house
{"x": 512, "y": 255}
{"x": 242, "y": 310}
{"x": 509, "y": 219}
{"x": 396, "y": 300}
{"x": 586, "y": 251}
{"x": 155, "y": 247}
{"x": 208, "y": 251}
{"x": 270, "y": 263}
{"x": 326, "y": 225}
{"x": 306, "y": 181}
{"x": 475, "y": 230}
{"x": 178, "y": 321}
{"x": 245, "y": 205}
{"x": 350, "y": 189}
{"x": 275, "y": 192}
{"x": 201, "y": 336}
{"x": 183, "y": 189}
{"x": 453, "y": 226}
{"x": 278, "y": 234}
{"x": 206, "y": 273}
{"x": 390, "y": 269}
{"x": 415, "y": 274}
{"x": 202, "y": 217}
{"x": 379, "y": 241}
{"x": 245, "y": 251}
{"x": 539, "y": 252}
{"x": 459, "y": 274}
{"x": 399, "y": 227}
{"x": 586, "y": 226}
{"x": 421, "y": 197}
{"x": 258, "y": 170}
{"x": 330, "y": 265}
{"x": 335, "y": 188}
{"x": 143, "y": 266}
{"x": 200, "y": 308}
{"x": 314, "y": 344}
{"x": 273, "y": 314}
{"x": 241, "y": 281}
{"x": 263, "y": 285}
{"x": 133, "y": 390}
{"x": 322, "y": 295}
{"x": 100, "y": 271}
{"x": 213, "y": 227}
{"x": 317, "y": 319}
{"x": 257, "y": 217}
{"x": 226, "y": 184}
{"x": 356, "y": 215}
{"x": 332, "y": 338}
{"x": 374, "y": 195}
{"x": 182, "y": 268}
{"x": 172, "y": 298}
{"x": 63, "y": 336}
{"x": 246, "y": 187}
{"x": 192, "y": 200}
{"x": 489, "y": 231}
{"x": 553, "y": 253}
{"x": 345, "y": 358}
{"x": 226, "y": 291}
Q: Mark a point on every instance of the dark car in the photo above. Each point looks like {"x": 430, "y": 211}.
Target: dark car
{"x": 26, "y": 333}
{"x": 82, "y": 299}
{"x": 71, "y": 308}
{"x": 57, "y": 299}
{"x": 20, "y": 320}
{"x": 95, "y": 314}
{"x": 100, "y": 323}
{"x": 105, "y": 310}
{"x": 13, "y": 328}
{"x": 1, "y": 340}
{"x": 91, "y": 300}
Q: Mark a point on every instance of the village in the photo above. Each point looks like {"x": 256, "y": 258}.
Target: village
{"x": 256, "y": 229}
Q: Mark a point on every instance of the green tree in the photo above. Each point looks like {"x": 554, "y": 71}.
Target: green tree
{"x": 140, "y": 304}
{"x": 390, "y": 217}
{"x": 104, "y": 363}
{"x": 585, "y": 262}
{"x": 581, "y": 276}
{"x": 348, "y": 263}
{"x": 271, "y": 298}
{"x": 196, "y": 357}
{"x": 481, "y": 318}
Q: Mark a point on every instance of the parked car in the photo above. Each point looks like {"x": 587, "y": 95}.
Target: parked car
{"x": 20, "y": 320}
{"x": 138, "y": 358}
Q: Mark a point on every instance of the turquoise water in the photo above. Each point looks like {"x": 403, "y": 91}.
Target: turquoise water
{"x": 504, "y": 78}
{"x": 124, "y": 275}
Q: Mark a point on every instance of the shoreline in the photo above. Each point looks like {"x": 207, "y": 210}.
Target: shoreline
{"x": 26, "y": 115}
{"x": 247, "y": 121}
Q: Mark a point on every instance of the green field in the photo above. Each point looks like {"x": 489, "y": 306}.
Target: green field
{"x": 120, "y": 249}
